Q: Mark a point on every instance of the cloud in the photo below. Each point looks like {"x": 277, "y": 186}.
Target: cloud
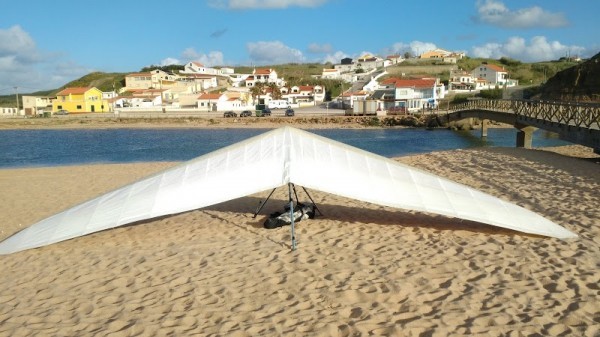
{"x": 335, "y": 58}
{"x": 218, "y": 33}
{"x": 316, "y": 48}
{"x": 169, "y": 61}
{"x": 213, "y": 58}
{"x": 18, "y": 46}
{"x": 273, "y": 52}
{"x": 415, "y": 48}
{"x": 495, "y": 13}
{"x": 537, "y": 49}
{"x": 22, "y": 64}
{"x": 264, "y": 4}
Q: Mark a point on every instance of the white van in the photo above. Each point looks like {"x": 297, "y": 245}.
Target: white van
{"x": 278, "y": 104}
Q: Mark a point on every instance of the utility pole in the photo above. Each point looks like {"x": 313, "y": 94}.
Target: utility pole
{"x": 17, "y": 96}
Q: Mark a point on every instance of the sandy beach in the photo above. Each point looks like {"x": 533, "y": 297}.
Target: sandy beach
{"x": 360, "y": 270}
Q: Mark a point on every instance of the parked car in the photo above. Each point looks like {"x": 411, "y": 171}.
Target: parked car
{"x": 229, "y": 114}
{"x": 289, "y": 112}
{"x": 61, "y": 112}
{"x": 246, "y": 113}
{"x": 265, "y": 112}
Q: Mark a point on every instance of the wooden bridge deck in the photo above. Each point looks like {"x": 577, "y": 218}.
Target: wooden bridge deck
{"x": 574, "y": 122}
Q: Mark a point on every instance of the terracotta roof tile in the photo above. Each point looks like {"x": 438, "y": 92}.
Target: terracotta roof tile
{"x": 495, "y": 68}
{"x": 73, "y": 91}
{"x": 263, "y": 71}
{"x": 209, "y": 96}
{"x": 421, "y": 83}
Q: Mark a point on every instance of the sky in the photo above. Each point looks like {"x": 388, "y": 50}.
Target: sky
{"x": 45, "y": 44}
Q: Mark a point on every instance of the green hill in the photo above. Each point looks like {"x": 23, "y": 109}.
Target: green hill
{"x": 303, "y": 73}
{"x": 579, "y": 83}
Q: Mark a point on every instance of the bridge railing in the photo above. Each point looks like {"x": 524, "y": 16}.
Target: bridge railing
{"x": 585, "y": 115}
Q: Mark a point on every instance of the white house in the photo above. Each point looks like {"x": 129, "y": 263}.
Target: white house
{"x": 35, "y": 105}
{"x": 331, "y": 74}
{"x": 348, "y": 98}
{"x": 146, "y": 101}
{"x": 413, "y": 95}
{"x": 461, "y": 80}
{"x": 264, "y": 76}
{"x": 211, "y": 101}
{"x": 198, "y": 68}
{"x": 304, "y": 94}
{"x": 493, "y": 74}
{"x": 8, "y": 112}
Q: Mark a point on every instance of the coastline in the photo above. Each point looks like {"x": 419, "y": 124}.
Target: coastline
{"x": 360, "y": 269}
{"x": 300, "y": 121}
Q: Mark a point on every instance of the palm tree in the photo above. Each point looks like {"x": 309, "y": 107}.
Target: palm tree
{"x": 275, "y": 91}
{"x": 257, "y": 90}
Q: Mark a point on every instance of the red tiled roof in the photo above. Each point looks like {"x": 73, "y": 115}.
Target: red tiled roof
{"x": 495, "y": 68}
{"x": 73, "y": 91}
{"x": 390, "y": 80}
{"x": 198, "y": 64}
{"x": 263, "y": 71}
{"x": 209, "y": 96}
{"x": 422, "y": 83}
{"x": 306, "y": 88}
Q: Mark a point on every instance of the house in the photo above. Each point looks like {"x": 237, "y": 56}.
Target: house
{"x": 198, "y": 68}
{"x": 80, "y": 100}
{"x": 413, "y": 95}
{"x": 8, "y": 112}
{"x": 394, "y": 59}
{"x": 198, "y": 82}
{"x": 36, "y": 105}
{"x": 156, "y": 79}
{"x": 461, "y": 80}
{"x": 264, "y": 76}
{"x": 331, "y": 74}
{"x": 304, "y": 94}
{"x": 348, "y": 98}
{"x": 211, "y": 101}
{"x": 493, "y": 74}
{"x": 435, "y": 54}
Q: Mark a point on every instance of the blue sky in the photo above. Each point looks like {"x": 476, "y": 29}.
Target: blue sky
{"x": 44, "y": 44}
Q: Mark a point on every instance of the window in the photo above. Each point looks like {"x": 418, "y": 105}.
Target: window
{"x": 79, "y": 107}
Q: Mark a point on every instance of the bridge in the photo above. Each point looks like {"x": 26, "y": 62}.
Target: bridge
{"x": 577, "y": 123}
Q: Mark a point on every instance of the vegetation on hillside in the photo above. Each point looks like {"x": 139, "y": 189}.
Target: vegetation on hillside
{"x": 528, "y": 74}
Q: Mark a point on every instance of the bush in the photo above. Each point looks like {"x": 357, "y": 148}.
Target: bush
{"x": 491, "y": 93}
{"x": 458, "y": 99}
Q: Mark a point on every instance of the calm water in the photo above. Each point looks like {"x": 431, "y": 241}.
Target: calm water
{"x": 27, "y": 148}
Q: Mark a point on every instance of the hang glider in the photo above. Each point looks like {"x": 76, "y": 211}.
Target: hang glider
{"x": 282, "y": 156}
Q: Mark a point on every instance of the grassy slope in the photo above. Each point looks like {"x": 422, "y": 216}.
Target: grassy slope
{"x": 299, "y": 74}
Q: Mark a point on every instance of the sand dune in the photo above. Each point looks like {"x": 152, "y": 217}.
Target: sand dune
{"x": 360, "y": 270}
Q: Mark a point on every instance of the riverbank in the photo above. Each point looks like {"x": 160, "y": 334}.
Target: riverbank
{"x": 359, "y": 269}
{"x": 299, "y": 121}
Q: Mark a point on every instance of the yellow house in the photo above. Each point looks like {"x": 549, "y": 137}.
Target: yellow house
{"x": 80, "y": 100}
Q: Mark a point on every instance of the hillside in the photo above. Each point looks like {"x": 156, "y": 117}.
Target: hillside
{"x": 582, "y": 84}
{"x": 579, "y": 83}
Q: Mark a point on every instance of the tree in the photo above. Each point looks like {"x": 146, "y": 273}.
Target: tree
{"x": 275, "y": 91}
{"x": 257, "y": 90}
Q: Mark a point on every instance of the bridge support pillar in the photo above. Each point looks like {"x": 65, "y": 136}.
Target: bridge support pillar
{"x": 525, "y": 136}
{"x": 484, "y": 128}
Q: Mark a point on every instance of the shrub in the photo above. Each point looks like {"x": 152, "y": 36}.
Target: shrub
{"x": 491, "y": 93}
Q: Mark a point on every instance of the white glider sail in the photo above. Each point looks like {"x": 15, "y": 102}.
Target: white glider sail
{"x": 271, "y": 160}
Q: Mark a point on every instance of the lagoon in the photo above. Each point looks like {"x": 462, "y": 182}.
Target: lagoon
{"x": 35, "y": 148}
